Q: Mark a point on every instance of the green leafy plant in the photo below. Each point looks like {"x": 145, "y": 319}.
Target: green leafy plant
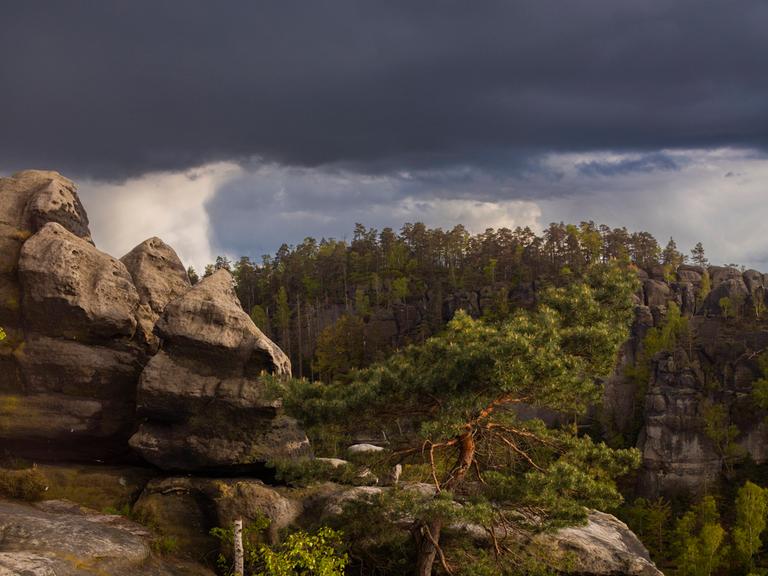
{"x": 699, "y": 540}
{"x": 318, "y": 553}
{"x": 649, "y": 519}
{"x": 751, "y": 508}
{"x": 675, "y": 330}
{"x": 306, "y": 554}
{"x": 723, "y": 434}
{"x": 165, "y": 545}
{"x": 726, "y": 306}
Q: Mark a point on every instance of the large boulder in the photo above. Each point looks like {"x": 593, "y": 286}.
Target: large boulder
{"x": 604, "y": 546}
{"x": 720, "y": 274}
{"x": 688, "y": 273}
{"x": 187, "y": 508}
{"x": 73, "y": 290}
{"x": 657, "y": 293}
{"x": 28, "y": 201}
{"x": 203, "y": 395}
{"x": 734, "y": 290}
{"x": 753, "y": 280}
{"x": 209, "y": 321}
{"x": 159, "y": 277}
{"x": 59, "y": 538}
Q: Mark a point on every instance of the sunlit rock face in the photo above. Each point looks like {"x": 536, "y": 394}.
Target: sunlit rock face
{"x": 87, "y": 332}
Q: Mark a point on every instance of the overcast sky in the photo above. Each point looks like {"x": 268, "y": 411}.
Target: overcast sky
{"x": 231, "y": 127}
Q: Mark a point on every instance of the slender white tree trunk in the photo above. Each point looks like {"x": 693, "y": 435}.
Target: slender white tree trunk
{"x": 239, "y": 568}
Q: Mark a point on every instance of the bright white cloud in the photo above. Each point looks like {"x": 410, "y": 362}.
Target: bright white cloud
{"x": 168, "y": 205}
{"x": 717, "y": 197}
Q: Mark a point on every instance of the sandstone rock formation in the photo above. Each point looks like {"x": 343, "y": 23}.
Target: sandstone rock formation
{"x": 159, "y": 277}
{"x": 82, "y": 332}
{"x": 58, "y": 538}
{"x": 69, "y": 368}
{"x": 71, "y": 289}
{"x": 187, "y": 508}
{"x": 713, "y": 363}
{"x": 604, "y": 546}
{"x": 202, "y": 393}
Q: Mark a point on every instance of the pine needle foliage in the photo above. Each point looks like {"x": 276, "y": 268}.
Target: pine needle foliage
{"x": 455, "y": 402}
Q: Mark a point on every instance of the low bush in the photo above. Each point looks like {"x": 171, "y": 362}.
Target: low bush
{"x": 29, "y": 484}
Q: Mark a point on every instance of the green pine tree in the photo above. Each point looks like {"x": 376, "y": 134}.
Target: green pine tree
{"x": 460, "y": 390}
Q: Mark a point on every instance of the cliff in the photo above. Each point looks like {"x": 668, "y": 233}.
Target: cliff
{"x": 689, "y": 406}
{"x": 102, "y": 353}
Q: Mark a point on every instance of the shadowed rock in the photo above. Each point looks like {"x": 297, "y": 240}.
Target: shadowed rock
{"x": 203, "y": 393}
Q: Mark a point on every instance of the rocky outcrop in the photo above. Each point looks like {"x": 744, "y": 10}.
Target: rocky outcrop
{"x": 59, "y": 538}
{"x": 69, "y": 368}
{"x": 735, "y": 290}
{"x": 203, "y": 393}
{"x": 159, "y": 277}
{"x": 71, "y": 289}
{"x": 714, "y": 363}
{"x": 28, "y": 201}
{"x": 84, "y": 329}
{"x": 187, "y": 508}
{"x": 604, "y": 546}
{"x": 678, "y": 456}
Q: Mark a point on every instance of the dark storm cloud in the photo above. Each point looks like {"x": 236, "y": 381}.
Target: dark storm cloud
{"x": 112, "y": 89}
{"x": 645, "y": 163}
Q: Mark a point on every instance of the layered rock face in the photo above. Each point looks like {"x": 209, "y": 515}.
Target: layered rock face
{"x": 86, "y": 331}
{"x": 201, "y": 393}
{"x": 58, "y": 538}
{"x": 699, "y": 387}
{"x": 68, "y": 369}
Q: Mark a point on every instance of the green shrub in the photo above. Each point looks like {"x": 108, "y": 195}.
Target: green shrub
{"x": 306, "y": 472}
{"x": 317, "y": 553}
{"x": 29, "y": 484}
{"x": 165, "y": 545}
{"x": 314, "y": 554}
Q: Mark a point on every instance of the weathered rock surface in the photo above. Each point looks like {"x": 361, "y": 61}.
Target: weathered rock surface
{"x": 159, "y": 277}
{"x": 678, "y": 457}
{"x": 71, "y": 367}
{"x": 28, "y": 201}
{"x": 209, "y": 320}
{"x": 735, "y": 290}
{"x": 58, "y": 538}
{"x": 95, "y": 384}
{"x": 604, "y": 546}
{"x": 203, "y": 393}
{"x": 71, "y": 289}
{"x": 82, "y": 332}
{"x": 187, "y": 508}
{"x": 713, "y": 363}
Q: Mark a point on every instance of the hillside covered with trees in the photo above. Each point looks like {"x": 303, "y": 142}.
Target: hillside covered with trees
{"x": 317, "y": 298}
